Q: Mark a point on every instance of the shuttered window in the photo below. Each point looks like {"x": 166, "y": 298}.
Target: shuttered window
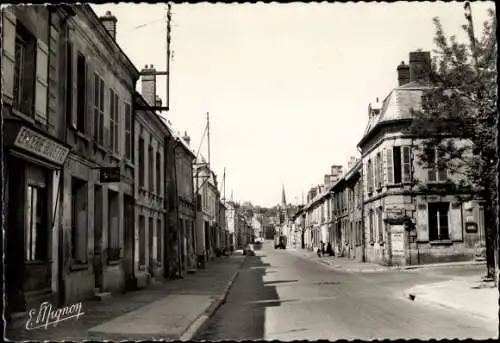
{"x": 9, "y": 55}
{"x": 438, "y": 221}
{"x": 98, "y": 110}
{"x": 81, "y": 92}
{"x": 113, "y": 120}
{"x": 42, "y": 82}
{"x": 434, "y": 172}
{"x": 369, "y": 178}
{"x": 128, "y": 131}
{"x": 398, "y": 164}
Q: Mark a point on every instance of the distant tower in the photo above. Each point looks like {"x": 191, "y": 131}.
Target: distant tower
{"x": 283, "y": 198}
{"x": 283, "y": 208}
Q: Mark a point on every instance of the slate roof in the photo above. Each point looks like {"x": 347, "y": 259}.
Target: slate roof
{"x": 397, "y": 105}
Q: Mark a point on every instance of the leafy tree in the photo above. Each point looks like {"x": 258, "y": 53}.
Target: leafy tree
{"x": 462, "y": 103}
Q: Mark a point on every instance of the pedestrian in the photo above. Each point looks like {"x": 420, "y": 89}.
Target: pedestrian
{"x": 329, "y": 249}
{"x": 322, "y": 248}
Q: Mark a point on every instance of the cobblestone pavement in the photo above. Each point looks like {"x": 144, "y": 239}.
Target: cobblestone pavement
{"x": 210, "y": 281}
{"x": 281, "y": 296}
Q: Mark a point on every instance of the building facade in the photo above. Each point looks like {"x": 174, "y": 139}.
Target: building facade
{"x": 148, "y": 238}
{"x": 98, "y": 188}
{"x": 34, "y": 152}
{"x": 403, "y": 224}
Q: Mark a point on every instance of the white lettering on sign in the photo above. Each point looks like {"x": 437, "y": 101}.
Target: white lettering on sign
{"x": 39, "y": 145}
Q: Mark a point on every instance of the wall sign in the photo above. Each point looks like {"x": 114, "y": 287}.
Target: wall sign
{"x": 42, "y": 146}
{"x": 397, "y": 240}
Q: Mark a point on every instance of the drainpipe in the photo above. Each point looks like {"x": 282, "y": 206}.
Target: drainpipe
{"x": 363, "y": 243}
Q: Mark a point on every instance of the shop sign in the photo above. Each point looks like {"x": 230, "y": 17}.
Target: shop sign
{"x": 394, "y": 212}
{"x": 41, "y": 146}
{"x": 110, "y": 174}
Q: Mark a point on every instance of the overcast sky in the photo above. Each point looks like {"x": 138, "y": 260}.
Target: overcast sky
{"x": 287, "y": 85}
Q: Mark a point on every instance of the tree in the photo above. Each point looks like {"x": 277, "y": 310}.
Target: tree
{"x": 462, "y": 103}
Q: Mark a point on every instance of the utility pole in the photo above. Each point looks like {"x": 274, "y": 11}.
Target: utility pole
{"x": 167, "y": 71}
{"x": 208, "y": 138}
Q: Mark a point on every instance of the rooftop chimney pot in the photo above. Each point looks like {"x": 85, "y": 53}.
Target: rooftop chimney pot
{"x": 109, "y": 23}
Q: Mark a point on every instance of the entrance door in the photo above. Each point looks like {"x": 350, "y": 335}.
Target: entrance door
{"x": 129, "y": 238}
{"x": 98, "y": 236}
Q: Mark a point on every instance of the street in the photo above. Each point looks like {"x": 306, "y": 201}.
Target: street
{"x": 279, "y": 295}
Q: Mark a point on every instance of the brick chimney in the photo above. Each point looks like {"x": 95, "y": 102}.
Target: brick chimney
{"x": 420, "y": 64}
{"x": 327, "y": 180}
{"x": 403, "y": 74}
{"x": 109, "y": 23}
{"x": 351, "y": 162}
{"x": 148, "y": 84}
{"x": 186, "y": 138}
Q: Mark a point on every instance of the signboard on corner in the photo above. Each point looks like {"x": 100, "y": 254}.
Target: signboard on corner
{"x": 109, "y": 174}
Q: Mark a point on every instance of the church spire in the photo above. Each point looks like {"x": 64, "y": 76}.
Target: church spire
{"x": 283, "y": 198}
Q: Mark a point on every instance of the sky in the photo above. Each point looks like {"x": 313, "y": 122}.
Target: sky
{"x": 287, "y": 86}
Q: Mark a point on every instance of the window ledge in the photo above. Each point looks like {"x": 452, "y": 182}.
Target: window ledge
{"x": 79, "y": 266}
{"x": 23, "y": 116}
{"x": 101, "y": 148}
{"x": 129, "y": 163}
{"x": 442, "y": 242}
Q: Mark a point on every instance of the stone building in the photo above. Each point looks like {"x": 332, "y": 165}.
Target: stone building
{"x": 403, "y": 224}
{"x": 205, "y": 183}
{"x": 148, "y": 238}
{"x": 98, "y": 196}
{"x": 35, "y": 153}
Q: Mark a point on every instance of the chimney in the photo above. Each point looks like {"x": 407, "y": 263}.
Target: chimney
{"x": 327, "y": 180}
{"x": 351, "y": 162}
{"x": 148, "y": 84}
{"x": 336, "y": 170}
{"x": 158, "y": 101}
{"x": 109, "y": 23}
{"x": 420, "y": 63}
{"x": 186, "y": 138}
{"x": 403, "y": 74}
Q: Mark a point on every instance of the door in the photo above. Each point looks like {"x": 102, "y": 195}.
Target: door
{"x": 129, "y": 237}
{"x": 98, "y": 236}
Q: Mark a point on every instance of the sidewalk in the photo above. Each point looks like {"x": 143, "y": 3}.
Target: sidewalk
{"x": 465, "y": 294}
{"x": 350, "y": 265}
{"x": 340, "y": 263}
{"x": 173, "y": 309}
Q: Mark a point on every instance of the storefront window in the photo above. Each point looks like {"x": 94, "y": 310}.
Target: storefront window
{"x": 36, "y": 233}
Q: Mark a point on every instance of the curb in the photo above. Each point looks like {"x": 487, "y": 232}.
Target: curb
{"x": 197, "y": 325}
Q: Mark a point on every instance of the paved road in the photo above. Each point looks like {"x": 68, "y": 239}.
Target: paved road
{"x": 278, "y": 295}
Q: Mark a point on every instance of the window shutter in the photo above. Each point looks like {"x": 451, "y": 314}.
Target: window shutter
{"x": 406, "y": 164}
{"x": 455, "y": 222}
{"x": 41, "y": 95}
{"x": 422, "y": 223}
{"x": 90, "y": 99}
{"x": 8, "y": 53}
{"x": 431, "y": 171}
{"x": 390, "y": 170}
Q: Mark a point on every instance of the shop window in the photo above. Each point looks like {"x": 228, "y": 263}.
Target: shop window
{"x": 142, "y": 242}
{"x": 36, "y": 246}
{"x": 79, "y": 221}
{"x": 438, "y": 221}
{"x": 113, "y": 227}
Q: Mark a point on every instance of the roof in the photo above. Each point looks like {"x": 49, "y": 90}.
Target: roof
{"x": 176, "y": 135}
{"x": 396, "y": 106}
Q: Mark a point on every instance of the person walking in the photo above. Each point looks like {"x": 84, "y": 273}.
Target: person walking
{"x": 322, "y": 248}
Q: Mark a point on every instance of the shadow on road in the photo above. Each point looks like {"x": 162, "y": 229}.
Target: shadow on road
{"x": 243, "y": 314}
